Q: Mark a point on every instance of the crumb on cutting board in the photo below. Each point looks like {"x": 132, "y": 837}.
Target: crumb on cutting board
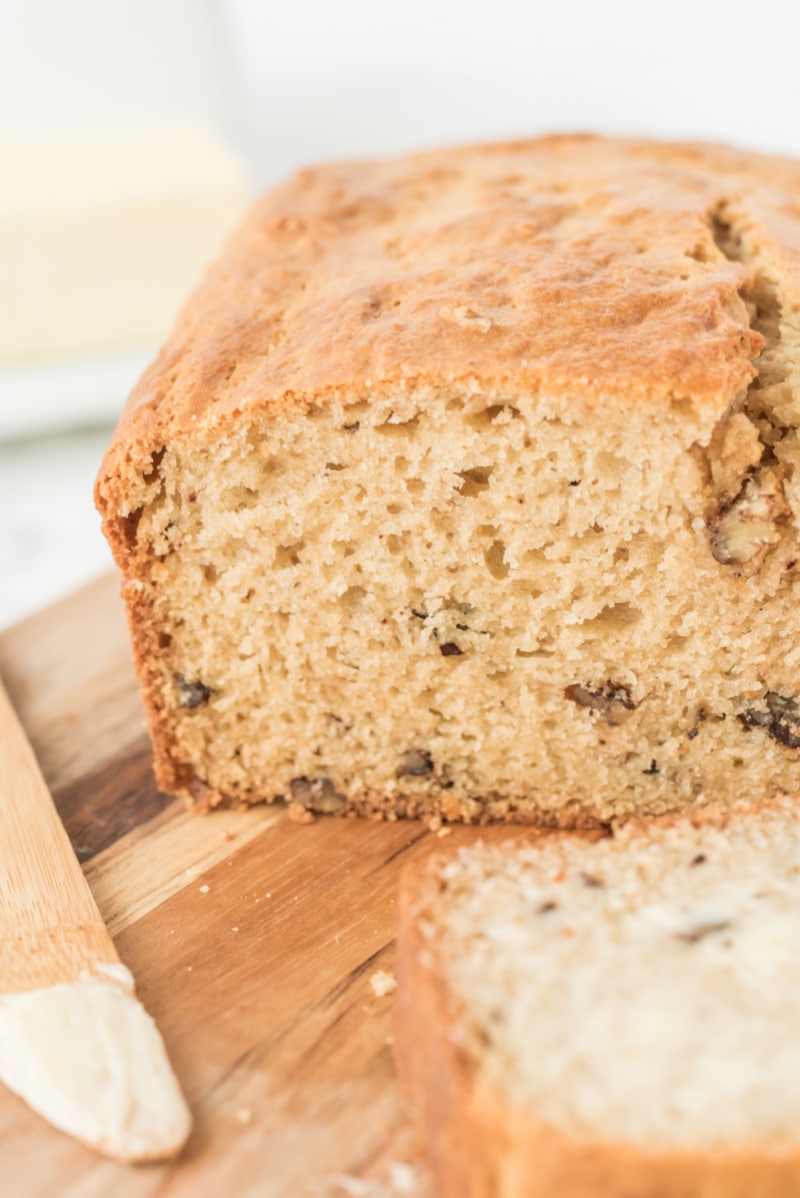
{"x": 382, "y": 983}
{"x": 399, "y": 1180}
{"x": 299, "y": 814}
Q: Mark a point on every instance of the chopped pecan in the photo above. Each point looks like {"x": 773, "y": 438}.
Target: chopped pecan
{"x": 611, "y": 699}
{"x": 191, "y": 694}
{"x": 745, "y": 528}
{"x": 701, "y": 929}
{"x": 317, "y": 794}
{"x": 781, "y": 720}
{"x": 416, "y": 764}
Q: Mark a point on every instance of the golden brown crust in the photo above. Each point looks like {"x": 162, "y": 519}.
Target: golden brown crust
{"x": 479, "y": 1147}
{"x": 171, "y": 778}
{"x": 563, "y": 264}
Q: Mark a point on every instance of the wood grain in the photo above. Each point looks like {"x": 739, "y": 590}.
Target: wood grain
{"x": 50, "y": 927}
{"x": 252, "y": 940}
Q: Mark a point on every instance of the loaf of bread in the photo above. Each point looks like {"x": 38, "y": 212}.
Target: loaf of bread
{"x": 466, "y": 485}
{"x": 615, "y": 1019}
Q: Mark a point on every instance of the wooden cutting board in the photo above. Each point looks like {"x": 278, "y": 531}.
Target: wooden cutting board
{"x": 253, "y": 941}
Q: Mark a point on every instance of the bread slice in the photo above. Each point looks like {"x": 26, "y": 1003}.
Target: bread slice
{"x": 466, "y": 485}
{"x": 582, "y": 1020}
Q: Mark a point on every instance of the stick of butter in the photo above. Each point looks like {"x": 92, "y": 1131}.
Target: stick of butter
{"x": 103, "y": 233}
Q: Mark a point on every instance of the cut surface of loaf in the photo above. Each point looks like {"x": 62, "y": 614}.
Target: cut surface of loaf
{"x": 465, "y": 485}
{"x": 608, "y": 1018}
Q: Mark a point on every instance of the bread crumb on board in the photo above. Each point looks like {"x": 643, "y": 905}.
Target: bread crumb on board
{"x": 299, "y": 814}
{"x": 382, "y": 983}
{"x": 400, "y": 1179}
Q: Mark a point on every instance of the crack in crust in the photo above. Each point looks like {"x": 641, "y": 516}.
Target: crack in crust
{"x": 750, "y": 510}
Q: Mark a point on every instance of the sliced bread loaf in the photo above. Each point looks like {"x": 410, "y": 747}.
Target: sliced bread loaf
{"x": 582, "y": 1020}
{"x": 467, "y": 485}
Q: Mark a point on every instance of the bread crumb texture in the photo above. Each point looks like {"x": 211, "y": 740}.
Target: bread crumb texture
{"x": 610, "y": 1016}
{"x": 465, "y": 487}
{"x": 641, "y": 988}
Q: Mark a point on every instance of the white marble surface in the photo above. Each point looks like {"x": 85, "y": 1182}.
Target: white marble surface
{"x": 50, "y": 540}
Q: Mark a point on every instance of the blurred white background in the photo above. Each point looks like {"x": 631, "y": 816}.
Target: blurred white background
{"x": 355, "y": 77}
{"x": 284, "y": 85}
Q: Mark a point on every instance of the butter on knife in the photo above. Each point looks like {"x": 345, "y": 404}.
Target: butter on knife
{"x": 75, "y": 1042}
